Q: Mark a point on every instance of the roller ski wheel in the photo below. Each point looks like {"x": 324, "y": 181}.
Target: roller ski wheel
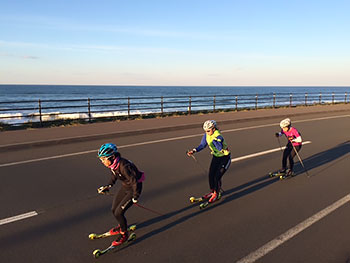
{"x": 93, "y": 236}
{"x": 196, "y": 199}
{"x": 287, "y": 175}
{"x": 276, "y": 174}
{"x": 98, "y": 252}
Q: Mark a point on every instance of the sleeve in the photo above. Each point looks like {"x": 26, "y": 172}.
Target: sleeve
{"x": 218, "y": 142}
{"x": 113, "y": 179}
{"x": 203, "y": 144}
{"x": 297, "y": 136}
{"x": 130, "y": 172}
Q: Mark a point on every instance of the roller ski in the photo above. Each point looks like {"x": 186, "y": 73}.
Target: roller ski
{"x": 200, "y": 199}
{"x": 213, "y": 198}
{"x": 277, "y": 174}
{"x": 122, "y": 241}
{"x": 112, "y": 232}
{"x": 288, "y": 174}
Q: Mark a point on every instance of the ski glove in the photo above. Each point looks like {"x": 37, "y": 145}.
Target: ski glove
{"x": 191, "y": 152}
{"x": 104, "y": 189}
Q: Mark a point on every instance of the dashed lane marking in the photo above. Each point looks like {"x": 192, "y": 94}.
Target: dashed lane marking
{"x": 18, "y": 217}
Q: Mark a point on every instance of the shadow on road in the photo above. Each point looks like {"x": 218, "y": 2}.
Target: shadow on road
{"x": 229, "y": 195}
{"x": 338, "y": 153}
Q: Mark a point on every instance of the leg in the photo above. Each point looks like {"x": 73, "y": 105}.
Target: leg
{"x": 292, "y": 155}
{"x": 121, "y": 203}
{"x": 286, "y": 154}
{"x": 214, "y": 165}
{"x": 225, "y": 163}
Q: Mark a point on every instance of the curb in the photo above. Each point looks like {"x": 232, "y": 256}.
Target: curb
{"x": 68, "y": 140}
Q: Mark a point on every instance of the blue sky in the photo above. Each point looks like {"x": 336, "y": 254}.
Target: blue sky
{"x": 182, "y": 42}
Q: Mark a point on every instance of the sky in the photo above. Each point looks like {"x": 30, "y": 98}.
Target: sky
{"x": 182, "y": 42}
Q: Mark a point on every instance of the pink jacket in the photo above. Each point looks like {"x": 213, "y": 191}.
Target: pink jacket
{"x": 294, "y": 134}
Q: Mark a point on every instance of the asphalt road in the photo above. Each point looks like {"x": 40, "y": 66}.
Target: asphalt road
{"x": 254, "y": 210}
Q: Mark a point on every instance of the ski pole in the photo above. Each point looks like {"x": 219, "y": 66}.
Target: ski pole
{"x": 155, "y": 212}
{"x": 123, "y": 206}
{"x": 301, "y": 161}
{"x": 204, "y": 170}
{"x": 279, "y": 143}
{"x": 200, "y": 165}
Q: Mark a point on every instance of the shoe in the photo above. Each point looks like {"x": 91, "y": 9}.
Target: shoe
{"x": 213, "y": 197}
{"x": 115, "y": 231}
{"x": 208, "y": 195}
{"x": 282, "y": 172}
{"x": 290, "y": 173}
{"x": 121, "y": 239}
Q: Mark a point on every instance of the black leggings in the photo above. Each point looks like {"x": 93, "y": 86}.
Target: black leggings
{"x": 218, "y": 167}
{"x": 122, "y": 202}
{"x": 289, "y": 154}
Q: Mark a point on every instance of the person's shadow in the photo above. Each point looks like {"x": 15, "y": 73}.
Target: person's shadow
{"x": 336, "y": 153}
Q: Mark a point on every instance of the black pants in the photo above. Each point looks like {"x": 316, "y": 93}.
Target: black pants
{"x": 122, "y": 202}
{"x": 218, "y": 167}
{"x": 288, "y": 154}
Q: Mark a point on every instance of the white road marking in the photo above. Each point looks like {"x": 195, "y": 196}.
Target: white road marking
{"x": 18, "y": 217}
{"x": 262, "y": 251}
{"x": 163, "y": 140}
{"x": 261, "y": 153}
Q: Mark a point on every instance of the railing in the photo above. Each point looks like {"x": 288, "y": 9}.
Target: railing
{"x": 40, "y": 111}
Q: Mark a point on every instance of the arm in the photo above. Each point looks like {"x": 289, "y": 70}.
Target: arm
{"x": 218, "y": 142}
{"x": 202, "y": 145}
{"x": 130, "y": 172}
{"x": 297, "y": 137}
{"x": 105, "y": 188}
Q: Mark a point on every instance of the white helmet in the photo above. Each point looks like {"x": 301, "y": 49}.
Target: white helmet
{"x": 209, "y": 124}
{"x": 285, "y": 123}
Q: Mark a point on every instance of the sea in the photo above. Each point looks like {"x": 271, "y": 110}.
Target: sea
{"x": 19, "y": 103}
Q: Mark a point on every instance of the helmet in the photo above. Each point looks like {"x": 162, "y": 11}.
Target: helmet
{"x": 107, "y": 150}
{"x": 285, "y": 123}
{"x": 209, "y": 124}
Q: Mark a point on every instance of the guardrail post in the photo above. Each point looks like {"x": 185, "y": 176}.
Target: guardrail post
{"x": 214, "y": 102}
{"x": 236, "y": 103}
{"x": 189, "y": 105}
{"x": 162, "y": 105}
{"x": 332, "y": 97}
{"x": 290, "y": 100}
{"x": 256, "y": 101}
{"x": 128, "y": 106}
{"x": 40, "y": 115}
{"x": 274, "y": 100}
{"x": 305, "y": 99}
{"x": 89, "y": 109}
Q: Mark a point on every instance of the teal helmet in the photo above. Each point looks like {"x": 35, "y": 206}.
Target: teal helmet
{"x": 107, "y": 150}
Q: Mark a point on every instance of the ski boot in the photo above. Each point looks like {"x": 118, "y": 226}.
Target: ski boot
{"x": 115, "y": 231}
{"x": 200, "y": 199}
{"x": 289, "y": 173}
{"x": 121, "y": 239}
{"x": 214, "y": 197}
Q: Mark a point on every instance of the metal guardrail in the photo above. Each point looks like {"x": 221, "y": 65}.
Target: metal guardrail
{"x": 39, "y": 111}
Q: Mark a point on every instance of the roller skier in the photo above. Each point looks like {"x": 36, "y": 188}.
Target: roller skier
{"x": 131, "y": 179}
{"x": 293, "y": 146}
{"x": 220, "y": 162}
